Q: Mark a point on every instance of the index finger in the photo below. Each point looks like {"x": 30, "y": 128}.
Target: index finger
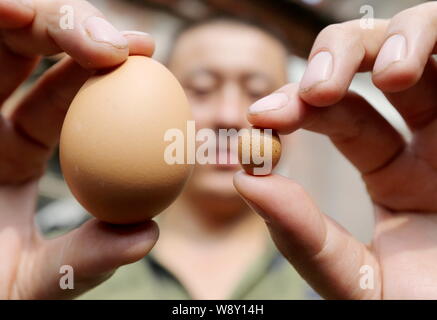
{"x": 71, "y": 26}
{"x": 397, "y": 50}
{"x": 340, "y": 51}
{"x": 37, "y": 118}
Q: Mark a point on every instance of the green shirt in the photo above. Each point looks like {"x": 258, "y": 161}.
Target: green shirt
{"x": 271, "y": 277}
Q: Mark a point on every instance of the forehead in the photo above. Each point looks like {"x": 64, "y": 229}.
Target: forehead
{"x": 229, "y": 47}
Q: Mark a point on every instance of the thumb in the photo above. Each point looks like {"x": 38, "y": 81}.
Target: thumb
{"x": 324, "y": 253}
{"x": 94, "y": 251}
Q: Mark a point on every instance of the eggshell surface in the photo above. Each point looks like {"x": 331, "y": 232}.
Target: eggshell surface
{"x": 252, "y": 144}
{"x": 112, "y": 142}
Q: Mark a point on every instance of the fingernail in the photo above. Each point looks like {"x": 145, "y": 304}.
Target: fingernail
{"x": 393, "y": 50}
{"x": 274, "y": 101}
{"x": 102, "y": 31}
{"x": 135, "y": 33}
{"x": 319, "y": 70}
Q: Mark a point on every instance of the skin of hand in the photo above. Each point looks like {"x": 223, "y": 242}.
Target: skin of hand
{"x": 400, "y": 176}
{"x": 30, "y": 265}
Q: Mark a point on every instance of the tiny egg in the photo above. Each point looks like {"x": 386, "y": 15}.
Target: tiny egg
{"x": 251, "y": 145}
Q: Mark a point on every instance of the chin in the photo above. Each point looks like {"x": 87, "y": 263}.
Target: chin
{"x": 219, "y": 183}
{"x": 216, "y": 192}
{"x": 225, "y": 209}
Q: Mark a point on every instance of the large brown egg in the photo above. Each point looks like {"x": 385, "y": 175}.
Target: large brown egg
{"x": 112, "y": 142}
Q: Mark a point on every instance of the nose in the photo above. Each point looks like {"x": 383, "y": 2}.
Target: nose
{"x": 230, "y": 112}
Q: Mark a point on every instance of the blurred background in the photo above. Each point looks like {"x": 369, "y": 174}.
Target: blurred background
{"x": 308, "y": 158}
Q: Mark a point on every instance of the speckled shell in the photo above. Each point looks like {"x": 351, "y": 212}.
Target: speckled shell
{"x": 256, "y": 139}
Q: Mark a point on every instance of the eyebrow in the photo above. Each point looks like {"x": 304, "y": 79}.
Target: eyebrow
{"x": 245, "y": 77}
{"x": 258, "y": 75}
{"x": 199, "y": 71}
{"x": 264, "y": 77}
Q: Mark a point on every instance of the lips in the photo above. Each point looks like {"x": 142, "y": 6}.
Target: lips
{"x": 226, "y": 157}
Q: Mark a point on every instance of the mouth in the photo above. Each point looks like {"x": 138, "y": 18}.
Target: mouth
{"x": 227, "y": 159}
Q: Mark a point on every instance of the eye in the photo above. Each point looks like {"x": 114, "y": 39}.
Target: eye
{"x": 255, "y": 95}
{"x": 257, "y": 87}
{"x": 199, "y": 92}
{"x": 201, "y": 85}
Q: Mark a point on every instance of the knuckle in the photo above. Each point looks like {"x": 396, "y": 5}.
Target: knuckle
{"x": 341, "y": 29}
{"x": 347, "y": 33}
{"x": 333, "y": 30}
{"x": 421, "y": 15}
{"x": 52, "y": 12}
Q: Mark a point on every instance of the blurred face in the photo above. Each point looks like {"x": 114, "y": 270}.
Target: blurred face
{"x": 224, "y": 67}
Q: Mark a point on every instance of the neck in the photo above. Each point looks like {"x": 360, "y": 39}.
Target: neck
{"x": 208, "y": 246}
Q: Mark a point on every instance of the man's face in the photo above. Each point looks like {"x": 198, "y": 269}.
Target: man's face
{"x": 224, "y": 67}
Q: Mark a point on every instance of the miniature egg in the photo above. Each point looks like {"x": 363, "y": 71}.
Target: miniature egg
{"x": 259, "y": 150}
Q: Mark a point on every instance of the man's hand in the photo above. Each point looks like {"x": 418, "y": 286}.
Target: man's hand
{"x": 30, "y": 265}
{"x": 401, "y": 176}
